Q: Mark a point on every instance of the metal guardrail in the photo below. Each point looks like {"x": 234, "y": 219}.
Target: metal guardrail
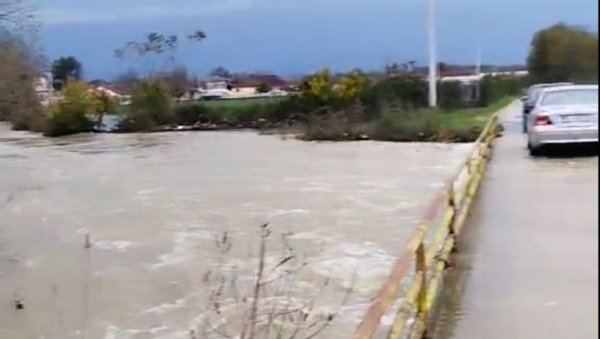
{"x": 430, "y": 257}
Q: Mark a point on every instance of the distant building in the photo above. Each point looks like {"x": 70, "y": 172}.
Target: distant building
{"x": 192, "y": 94}
{"x": 216, "y": 83}
{"x": 254, "y": 81}
{"x": 242, "y": 86}
{"x": 118, "y": 93}
{"x": 43, "y": 88}
{"x": 469, "y": 84}
{"x": 98, "y": 82}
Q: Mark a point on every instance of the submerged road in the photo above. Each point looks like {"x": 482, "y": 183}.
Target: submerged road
{"x": 527, "y": 261}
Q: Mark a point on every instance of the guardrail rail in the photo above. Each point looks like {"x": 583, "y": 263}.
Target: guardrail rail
{"x": 429, "y": 257}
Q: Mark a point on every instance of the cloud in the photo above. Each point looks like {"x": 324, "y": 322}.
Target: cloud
{"x": 65, "y": 12}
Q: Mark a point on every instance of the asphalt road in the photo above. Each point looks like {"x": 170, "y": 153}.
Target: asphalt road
{"x": 527, "y": 263}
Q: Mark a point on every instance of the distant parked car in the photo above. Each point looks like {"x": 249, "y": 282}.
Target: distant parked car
{"x": 531, "y": 97}
{"x": 277, "y": 93}
{"x": 563, "y": 115}
{"x": 213, "y": 94}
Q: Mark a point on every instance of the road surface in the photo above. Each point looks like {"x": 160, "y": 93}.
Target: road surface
{"x": 527, "y": 262}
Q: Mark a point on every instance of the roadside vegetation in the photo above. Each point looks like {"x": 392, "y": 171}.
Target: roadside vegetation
{"x": 394, "y": 109}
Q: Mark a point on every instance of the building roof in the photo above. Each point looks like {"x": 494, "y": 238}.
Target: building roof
{"x": 115, "y": 89}
{"x": 98, "y": 82}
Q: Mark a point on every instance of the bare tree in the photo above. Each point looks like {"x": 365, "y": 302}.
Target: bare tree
{"x": 15, "y": 14}
{"x": 156, "y": 45}
{"x": 268, "y": 305}
{"x": 177, "y": 81}
{"x": 221, "y": 72}
{"x": 20, "y": 65}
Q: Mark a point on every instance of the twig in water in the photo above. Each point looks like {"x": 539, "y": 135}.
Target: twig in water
{"x": 264, "y": 233}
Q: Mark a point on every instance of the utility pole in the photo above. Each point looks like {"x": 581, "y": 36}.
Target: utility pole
{"x": 478, "y": 74}
{"x": 478, "y": 62}
{"x": 432, "y": 56}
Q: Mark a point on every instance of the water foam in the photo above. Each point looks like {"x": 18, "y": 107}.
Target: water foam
{"x": 113, "y": 246}
{"x": 343, "y": 260}
{"x": 186, "y": 243}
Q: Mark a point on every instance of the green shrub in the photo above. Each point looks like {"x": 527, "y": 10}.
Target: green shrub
{"x": 419, "y": 125}
{"x": 150, "y": 107}
{"x": 190, "y": 114}
{"x": 71, "y": 114}
{"x": 451, "y": 95}
{"x": 407, "y": 91}
{"x": 244, "y": 112}
{"x": 494, "y": 88}
{"x": 332, "y": 126}
{"x": 61, "y": 123}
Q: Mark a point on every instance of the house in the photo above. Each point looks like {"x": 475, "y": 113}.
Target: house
{"x": 98, "y": 82}
{"x": 248, "y": 84}
{"x": 216, "y": 83}
{"x": 469, "y": 84}
{"x": 217, "y": 93}
{"x": 192, "y": 94}
{"x": 117, "y": 92}
{"x": 243, "y": 86}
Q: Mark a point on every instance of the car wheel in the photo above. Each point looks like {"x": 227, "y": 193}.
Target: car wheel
{"x": 533, "y": 151}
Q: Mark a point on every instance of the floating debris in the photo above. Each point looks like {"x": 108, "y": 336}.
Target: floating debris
{"x": 19, "y": 304}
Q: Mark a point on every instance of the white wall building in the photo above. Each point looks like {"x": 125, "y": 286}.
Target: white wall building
{"x": 43, "y": 88}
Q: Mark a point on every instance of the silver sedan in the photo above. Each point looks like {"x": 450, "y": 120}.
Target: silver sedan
{"x": 563, "y": 115}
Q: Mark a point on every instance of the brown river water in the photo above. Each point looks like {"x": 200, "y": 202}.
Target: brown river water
{"x": 153, "y": 203}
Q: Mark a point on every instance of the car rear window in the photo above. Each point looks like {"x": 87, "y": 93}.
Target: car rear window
{"x": 536, "y": 89}
{"x": 571, "y": 97}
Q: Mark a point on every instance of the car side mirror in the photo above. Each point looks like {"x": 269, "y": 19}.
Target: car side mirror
{"x": 524, "y": 98}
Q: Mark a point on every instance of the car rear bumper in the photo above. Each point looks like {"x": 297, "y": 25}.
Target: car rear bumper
{"x": 543, "y": 135}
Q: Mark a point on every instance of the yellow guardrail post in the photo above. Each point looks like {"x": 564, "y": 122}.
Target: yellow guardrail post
{"x": 451, "y": 200}
{"x": 421, "y": 266}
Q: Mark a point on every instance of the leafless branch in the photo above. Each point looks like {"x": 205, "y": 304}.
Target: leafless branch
{"x": 15, "y": 13}
{"x": 264, "y": 233}
{"x": 267, "y": 306}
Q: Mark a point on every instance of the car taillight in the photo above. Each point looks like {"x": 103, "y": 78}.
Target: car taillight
{"x": 542, "y": 120}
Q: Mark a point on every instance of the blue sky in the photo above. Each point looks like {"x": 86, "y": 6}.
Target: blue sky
{"x": 296, "y": 36}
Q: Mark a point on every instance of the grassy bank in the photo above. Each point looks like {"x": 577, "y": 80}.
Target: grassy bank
{"x": 242, "y": 103}
{"x": 472, "y": 116}
{"x": 460, "y": 125}
{"x": 243, "y": 113}
{"x": 420, "y": 125}
{"x": 271, "y": 115}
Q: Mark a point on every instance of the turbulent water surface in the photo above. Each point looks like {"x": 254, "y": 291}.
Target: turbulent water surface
{"x": 152, "y": 204}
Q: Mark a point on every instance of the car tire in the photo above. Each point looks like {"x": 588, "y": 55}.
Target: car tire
{"x": 533, "y": 151}
{"x": 524, "y": 122}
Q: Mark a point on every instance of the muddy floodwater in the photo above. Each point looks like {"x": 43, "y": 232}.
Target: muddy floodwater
{"x": 152, "y": 204}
